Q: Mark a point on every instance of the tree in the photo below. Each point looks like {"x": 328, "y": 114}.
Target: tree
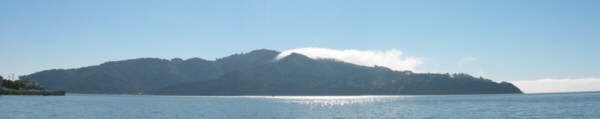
{"x": 1, "y": 82}
{"x": 20, "y": 84}
{"x": 8, "y": 84}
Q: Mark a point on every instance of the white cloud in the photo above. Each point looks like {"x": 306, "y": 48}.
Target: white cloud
{"x": 392, "y": 59}
{"x": 558, "y": 85}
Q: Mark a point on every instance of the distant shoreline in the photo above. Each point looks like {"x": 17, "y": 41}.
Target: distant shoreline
{"x": 293, "y": 95}
{"x": 32, "y": 92}
{"x": 579, "y": 92}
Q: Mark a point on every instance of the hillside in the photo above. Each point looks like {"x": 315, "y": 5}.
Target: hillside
{"x": 257, "y": 73}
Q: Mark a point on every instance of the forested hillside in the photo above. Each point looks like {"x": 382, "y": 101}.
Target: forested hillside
{"x": 257, "y": 73}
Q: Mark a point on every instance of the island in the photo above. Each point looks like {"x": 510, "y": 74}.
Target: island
{"x": 259, "y": 72}
{"x": 24, "y": 87}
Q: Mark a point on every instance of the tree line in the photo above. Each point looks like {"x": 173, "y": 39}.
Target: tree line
{"x": 19, "y": 84}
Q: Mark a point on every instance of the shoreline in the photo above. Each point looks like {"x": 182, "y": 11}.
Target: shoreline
{"x": 32, "y": 92}
{"x": 334, "y": 95}
{"x": 290, "y": 95}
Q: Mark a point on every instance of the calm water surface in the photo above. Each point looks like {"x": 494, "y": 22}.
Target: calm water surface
{"x": 531, "y": 106}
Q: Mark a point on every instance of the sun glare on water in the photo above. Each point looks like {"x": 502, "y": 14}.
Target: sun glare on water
{"x": 326, "y": 101}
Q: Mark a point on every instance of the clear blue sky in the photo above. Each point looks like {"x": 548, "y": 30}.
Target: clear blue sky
{"x": 502, "y": 39}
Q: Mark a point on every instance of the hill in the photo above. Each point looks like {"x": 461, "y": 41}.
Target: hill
{"x": 258, "y": 73}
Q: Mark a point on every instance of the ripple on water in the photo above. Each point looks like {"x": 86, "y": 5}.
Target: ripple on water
{"x": 328, "y": 101}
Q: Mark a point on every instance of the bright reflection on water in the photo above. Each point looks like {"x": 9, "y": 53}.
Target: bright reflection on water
{"x": 328, "y": 101}
{"x": 542, "y": 106}
{"x": 322, "y": 101}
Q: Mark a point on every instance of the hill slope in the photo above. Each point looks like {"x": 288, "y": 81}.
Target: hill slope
{"x": 257, "y": 73}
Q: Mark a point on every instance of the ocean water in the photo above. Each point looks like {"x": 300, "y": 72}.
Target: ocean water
{"x": 528, "y": 106}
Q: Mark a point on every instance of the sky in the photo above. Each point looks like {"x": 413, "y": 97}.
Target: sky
{"x": 509, "y": 40}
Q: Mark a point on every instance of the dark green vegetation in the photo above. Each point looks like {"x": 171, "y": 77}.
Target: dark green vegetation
{"x": 24, "y": 87}
{"x": 258, "y": 73}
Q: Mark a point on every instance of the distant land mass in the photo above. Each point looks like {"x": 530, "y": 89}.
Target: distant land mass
{"x": 258, "y": 73}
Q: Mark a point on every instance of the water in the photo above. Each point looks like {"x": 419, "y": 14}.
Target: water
{"x": 538, "y": 106}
